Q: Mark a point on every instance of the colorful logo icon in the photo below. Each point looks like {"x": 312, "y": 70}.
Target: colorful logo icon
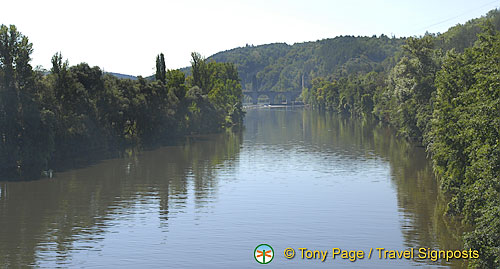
{"x": 263, "y": 253}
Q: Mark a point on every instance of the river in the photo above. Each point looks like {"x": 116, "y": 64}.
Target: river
{"x": 293, "y": 178}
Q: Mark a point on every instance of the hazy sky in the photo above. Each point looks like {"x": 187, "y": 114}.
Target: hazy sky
{"x": 125, "y": 36}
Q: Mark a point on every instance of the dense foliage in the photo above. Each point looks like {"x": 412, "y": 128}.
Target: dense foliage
{"x": 465, "y": 140}
{"x": 76, "y": 111}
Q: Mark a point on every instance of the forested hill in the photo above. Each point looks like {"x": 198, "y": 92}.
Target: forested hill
{"x": 282, "y": 67}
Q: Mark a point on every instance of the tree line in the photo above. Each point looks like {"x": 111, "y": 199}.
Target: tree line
{"x": 442, "y": 91}
{"x": 47, "y": 118}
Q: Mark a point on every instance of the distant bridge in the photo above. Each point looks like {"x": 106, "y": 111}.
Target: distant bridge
{"x": 289, "y": 96}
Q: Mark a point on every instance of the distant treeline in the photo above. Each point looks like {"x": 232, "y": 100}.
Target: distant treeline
{"x": 74, "y": 111}
{"x": 442, "y": 90}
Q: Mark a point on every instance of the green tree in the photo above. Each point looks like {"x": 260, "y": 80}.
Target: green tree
{"x": 25, "y": 145}
{"x": 161, "y": 70}
{"x": 200, "y": 72}
{"x": 175, "y": 81}
{"x": 412, "y": 84}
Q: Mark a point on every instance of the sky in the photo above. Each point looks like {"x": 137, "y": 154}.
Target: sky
{"x": 125, "y": 36}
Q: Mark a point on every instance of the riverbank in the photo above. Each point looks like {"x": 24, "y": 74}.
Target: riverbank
{"x": 448, "y": 102}
{"x": 78, "y": 112}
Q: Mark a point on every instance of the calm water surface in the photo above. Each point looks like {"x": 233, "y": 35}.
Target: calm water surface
{"x": 293, "y": 178}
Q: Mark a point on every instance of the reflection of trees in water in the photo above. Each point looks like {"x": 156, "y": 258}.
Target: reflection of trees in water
{"x": 50, "y": 215}
{"x": 422, "y": 220}
{"x": 79, "y": 204}
{"x": 423, "y": 223}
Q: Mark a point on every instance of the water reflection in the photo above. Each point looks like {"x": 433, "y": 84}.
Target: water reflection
{"x": 301, "y": 177}
{"x": 44, "y": 220}
{"x": 421, "y": 208}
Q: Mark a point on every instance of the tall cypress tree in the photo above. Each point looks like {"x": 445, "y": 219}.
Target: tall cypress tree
{"x": 163, "y": 67}
{"x": 161, "y": 71}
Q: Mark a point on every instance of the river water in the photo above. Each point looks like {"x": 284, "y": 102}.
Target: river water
{"x": 293, "y": 178}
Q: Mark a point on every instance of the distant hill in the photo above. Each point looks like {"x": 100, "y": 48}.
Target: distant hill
{"x": 283, "y": 67}
{"x": 122, "y": 76}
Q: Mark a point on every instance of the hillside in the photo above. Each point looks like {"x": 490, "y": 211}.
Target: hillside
{"x": 282, "y": 67}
